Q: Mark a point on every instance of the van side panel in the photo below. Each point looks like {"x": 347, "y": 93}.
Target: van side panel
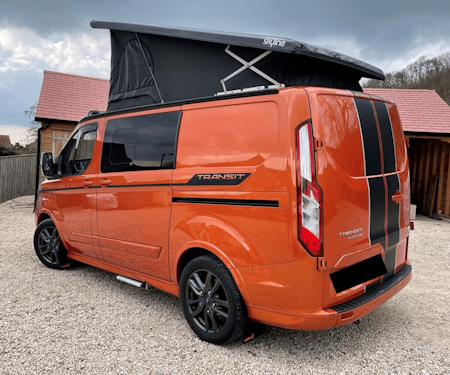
{"x": 230, "y": 186}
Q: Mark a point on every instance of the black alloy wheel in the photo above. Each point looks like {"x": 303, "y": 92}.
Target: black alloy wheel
{"x": 47, "y": 244}
{"x": 211, "y": 300}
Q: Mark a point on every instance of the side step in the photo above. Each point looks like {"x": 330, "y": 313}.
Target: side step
{"x": 135, "y": 283}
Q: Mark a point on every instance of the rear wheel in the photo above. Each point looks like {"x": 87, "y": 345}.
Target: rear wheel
{"x": 211, "y": 300}
{"x": 48, "y": 246}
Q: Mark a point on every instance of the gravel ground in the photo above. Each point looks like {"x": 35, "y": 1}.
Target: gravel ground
{"x": 83, "y": 321}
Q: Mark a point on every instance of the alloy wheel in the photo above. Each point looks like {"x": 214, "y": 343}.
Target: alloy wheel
{"x": 49, "y": 244}
{"x": 207, "y": 301}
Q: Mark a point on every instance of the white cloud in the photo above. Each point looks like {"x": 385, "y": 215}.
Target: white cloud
{"x": 421, "y": 48}
{"x": 22, "y": 49}
{"x": 16, "y": 133}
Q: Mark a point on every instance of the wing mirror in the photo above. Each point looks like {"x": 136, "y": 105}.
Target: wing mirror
{"x": 48, "y": 168}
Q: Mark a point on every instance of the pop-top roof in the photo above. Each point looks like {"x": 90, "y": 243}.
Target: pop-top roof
{"x": 272, "y": 43}
{"x": 154, "y": 64}
{"x": 421, "y": 111}
{"x": 69, "y": 97}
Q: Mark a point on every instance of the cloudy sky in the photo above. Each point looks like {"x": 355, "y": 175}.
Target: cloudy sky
{"x": 55, "y": 34}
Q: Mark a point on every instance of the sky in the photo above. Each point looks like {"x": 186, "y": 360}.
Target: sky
{"x": 56, "y": 35}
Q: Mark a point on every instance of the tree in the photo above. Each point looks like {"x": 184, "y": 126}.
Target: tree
{"x": 32, "y": 132}
{"x": 429, "y": 74}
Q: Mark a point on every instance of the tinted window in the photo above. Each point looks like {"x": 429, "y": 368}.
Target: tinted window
{"x": 140, "y": 143}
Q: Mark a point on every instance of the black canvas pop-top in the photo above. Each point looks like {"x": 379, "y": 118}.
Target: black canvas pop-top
{"x": 152, "y": 64}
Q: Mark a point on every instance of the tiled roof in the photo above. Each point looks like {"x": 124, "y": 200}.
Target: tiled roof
{"x": 421, "y": 111}
{"x": 69, "y": 97}
{"x": 5, "y": 141}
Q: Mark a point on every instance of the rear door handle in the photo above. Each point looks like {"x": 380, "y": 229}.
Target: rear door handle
{"x": 105, "y": 183}
{"x": 87, "y": 183}
{"x": 397, "y": 197}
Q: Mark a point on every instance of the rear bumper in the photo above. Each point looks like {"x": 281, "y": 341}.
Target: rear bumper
{"x": 338, "y": 315}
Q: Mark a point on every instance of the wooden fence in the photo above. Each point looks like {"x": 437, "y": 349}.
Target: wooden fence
{"x": 17, "y": 176}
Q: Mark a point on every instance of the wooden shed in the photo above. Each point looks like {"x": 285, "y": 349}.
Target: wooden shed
{"x": 64, "y": 100}
{"x": 426, "y": 123}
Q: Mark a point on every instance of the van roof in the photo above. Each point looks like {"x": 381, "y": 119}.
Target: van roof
{"x": 285, "y": 45}
{"x": 153, "y": 64}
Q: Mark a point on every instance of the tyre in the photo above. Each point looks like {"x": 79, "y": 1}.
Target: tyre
{"x": 211, "y": 300}
{"x": 48, "y": 246}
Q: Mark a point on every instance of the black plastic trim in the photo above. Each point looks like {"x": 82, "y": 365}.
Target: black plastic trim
{"x": 374, "y": 292}
{"x": 71, "y": 188}
{"x": 230, "y": 202}
{"x": 136, "y": 186}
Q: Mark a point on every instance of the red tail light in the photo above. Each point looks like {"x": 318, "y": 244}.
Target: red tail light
{"x": 309, "y": 195}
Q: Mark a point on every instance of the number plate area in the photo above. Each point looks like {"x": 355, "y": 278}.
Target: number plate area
{"x": 358, "y": 273}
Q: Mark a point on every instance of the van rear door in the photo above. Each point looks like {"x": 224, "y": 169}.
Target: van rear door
{"x": 362, "y": 169}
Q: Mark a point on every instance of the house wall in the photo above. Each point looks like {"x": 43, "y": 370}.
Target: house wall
{"x": 429, "y": 158}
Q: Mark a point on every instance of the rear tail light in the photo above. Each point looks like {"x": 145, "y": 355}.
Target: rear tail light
{"x": 309, "y": 195}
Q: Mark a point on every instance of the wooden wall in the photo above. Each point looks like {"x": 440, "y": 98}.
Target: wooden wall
{"x": 53, "y": 139}
{"x": 55, "y": 136}
{"x": 429, "y": 158}
{"x": 17, "y": 176}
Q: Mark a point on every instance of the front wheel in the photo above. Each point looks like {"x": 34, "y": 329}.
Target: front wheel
{"x": 211, "y": 300}
{"x": 48, "y": 246}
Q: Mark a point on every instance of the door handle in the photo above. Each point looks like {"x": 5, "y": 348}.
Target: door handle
{"x": 105, "y": 183}
{"x": 87, "y": 183}
{"x": 397, "y": 197}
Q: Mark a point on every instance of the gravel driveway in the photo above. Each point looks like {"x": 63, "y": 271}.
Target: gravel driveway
{"x": 83, "y": 321}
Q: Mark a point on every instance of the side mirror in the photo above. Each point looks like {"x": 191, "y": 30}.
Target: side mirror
{"x": 48, "y": 168}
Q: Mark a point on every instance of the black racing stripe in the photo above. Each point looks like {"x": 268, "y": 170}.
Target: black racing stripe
{"x": 393, "y": 211}
{"x": 232, "y": 202}
{"x": 389, "y": 261}
{"x": 377, "y": 211}
{"x": 387, "y": 137}
{"x": 370, "y": 137}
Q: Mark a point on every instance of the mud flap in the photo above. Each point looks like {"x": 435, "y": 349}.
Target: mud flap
{"x": 250, "y": 329}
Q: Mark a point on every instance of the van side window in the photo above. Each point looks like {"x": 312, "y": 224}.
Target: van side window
{"x": 77, "y": 154}
{"x": 140, "y": 143}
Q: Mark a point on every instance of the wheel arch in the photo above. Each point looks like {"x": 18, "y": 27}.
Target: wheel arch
{"x": 194, "y": 251}
{"x": 43, "y": 216}
{"x": 46, "y": 214}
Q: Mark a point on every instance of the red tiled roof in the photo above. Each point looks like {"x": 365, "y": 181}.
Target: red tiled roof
{"x": 69, "y": 97}
{"x": 5, "y": 141}
{"x": 421, "y": 111}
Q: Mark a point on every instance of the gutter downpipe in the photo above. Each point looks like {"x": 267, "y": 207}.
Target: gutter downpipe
{"x": 38, "y": 161}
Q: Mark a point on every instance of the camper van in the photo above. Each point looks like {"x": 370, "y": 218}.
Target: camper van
{"x": 285, "y": 204}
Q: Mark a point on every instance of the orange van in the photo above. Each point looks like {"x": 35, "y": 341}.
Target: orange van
{"x": 286, "y": 206}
